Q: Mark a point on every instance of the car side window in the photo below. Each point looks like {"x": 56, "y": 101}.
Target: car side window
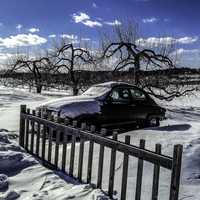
{"x": 137, "y": 94}
{"x": 120, "y": 96}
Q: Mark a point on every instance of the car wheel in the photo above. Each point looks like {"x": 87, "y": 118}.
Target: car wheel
{"x": 153, "y": 121}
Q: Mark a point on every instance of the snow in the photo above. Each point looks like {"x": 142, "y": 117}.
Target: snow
{"x": 22, "y": 177}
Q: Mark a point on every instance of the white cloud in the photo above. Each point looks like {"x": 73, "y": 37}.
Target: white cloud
{"x": 52, "y": 36}
{"x": 85, "y": 19}
{"x": 72, "y": 38}
{"x": 19, "y": 27}
{"x": 94, "y": 5}
{"x": 114, "y": 23}
{"x": 80, "y": 17}
{"x": 150, "y": 20}
{"x": 34, "y": 30}
{"x": 187, "y": 40}
{"x": 92, "y": 24}
{"x": 155, "y": 41}
{"x": 21, "y": 40}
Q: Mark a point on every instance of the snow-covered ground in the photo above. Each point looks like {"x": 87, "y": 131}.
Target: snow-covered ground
{"x": 21, "y": 175}
{"x": 29, "y": 180}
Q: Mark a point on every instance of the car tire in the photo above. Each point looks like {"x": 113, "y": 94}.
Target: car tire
{"x": 152, "y": 121}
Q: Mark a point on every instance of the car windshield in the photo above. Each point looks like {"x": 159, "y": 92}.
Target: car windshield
{"x": 96, "y": 91}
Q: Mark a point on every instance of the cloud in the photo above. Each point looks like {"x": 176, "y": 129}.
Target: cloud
{"x": 85, "y": 19}
{"x": 72, "y": 38}
{"x": 114, "y": 23}
{"x": 149, "y": 20}
{"x": 34, "y": 30}
{"x": 19, "y": 27}
{"x": 80, "y": 17}
{"x": 155, "y": 41}
{"x": 1, "y": 24}
{"x": 52, "y": 36}
{"x": 94, "y": 5}
{"x": 22, "y": 40}
{"x": 92, "y": 24}
{"x": 187, "y": 40}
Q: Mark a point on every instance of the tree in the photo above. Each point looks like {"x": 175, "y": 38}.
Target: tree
{"x": 70, "y": 59}
{"x": 35, "y": 66}
{"x": 125, "y": 49}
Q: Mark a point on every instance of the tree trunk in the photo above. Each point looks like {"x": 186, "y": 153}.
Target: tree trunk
{"x": 38, "y": 89}
{"x": 137, "y": 70}
{"x": 75, "y": 90}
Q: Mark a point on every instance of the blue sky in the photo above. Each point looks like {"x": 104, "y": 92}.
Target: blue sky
{"x": 26, "y": 23}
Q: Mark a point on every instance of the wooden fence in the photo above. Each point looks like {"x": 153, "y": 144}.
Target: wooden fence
{"x": 37, "y": 134}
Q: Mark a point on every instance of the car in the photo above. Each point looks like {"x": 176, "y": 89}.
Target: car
{"x": 108, "y": 105}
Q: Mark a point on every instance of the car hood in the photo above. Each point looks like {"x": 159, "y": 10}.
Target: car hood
{"x": 74, "y": 106}
{"x": 59, "y": 103}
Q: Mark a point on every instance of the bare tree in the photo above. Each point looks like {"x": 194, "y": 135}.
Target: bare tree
{"x": 126, "y": 51}
{"x": 35, "y": 67}
{"x": 69, "y": 58}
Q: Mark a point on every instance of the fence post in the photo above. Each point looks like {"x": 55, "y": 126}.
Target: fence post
{"x": 101, "y": 159}
{"x": 156, "y": 175}
{"x": 90, "y": 156}
{"x": 112, "y": 168}
{"x": 72, "y": 153}
{"x": 22, "y": 125}
{"x": 176, "y": 171}
{"x": 81, "y": 153}
{"x": 139, "y": 174}
{"x": 125, "y": 170}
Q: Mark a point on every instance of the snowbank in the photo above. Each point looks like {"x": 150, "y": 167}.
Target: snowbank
{"x": 22, "y": 177}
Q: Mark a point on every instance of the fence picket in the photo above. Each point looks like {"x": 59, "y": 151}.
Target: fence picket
{"x": 90, "y": 156}
{"x": 81, "y": 153}
{"x": 22, "y": 125}
{"x": 139, "y": 174}
{"x": 57, "y": 148}
{"x": 32, "y": 133}
{"x": 125, "y": 171}
{"x": 38, "y": 135}
{"x": 72, "y": 153}
{"x": 64, "y": 152}
{"x": 101, "y": 159}
{"x": 44, "y": 139}
{"x": 156, "y": 175}
{"x": 50, "y": 144}
{"x": 176, "y": 171}
{"x": 112, "y": 168}
{"x": 27, "y": 131}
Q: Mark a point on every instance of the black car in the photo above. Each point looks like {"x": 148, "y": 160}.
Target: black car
{"x": 110, "y": 104}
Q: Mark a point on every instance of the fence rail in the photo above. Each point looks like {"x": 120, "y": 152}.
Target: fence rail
{"x": 39, "y": 135}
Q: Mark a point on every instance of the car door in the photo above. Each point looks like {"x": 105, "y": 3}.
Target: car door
{"x": 140, "y": 104}
{"x": 116, "y": 108}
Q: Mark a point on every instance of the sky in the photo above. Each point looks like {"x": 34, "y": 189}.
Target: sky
{"x": 35, "y": 23}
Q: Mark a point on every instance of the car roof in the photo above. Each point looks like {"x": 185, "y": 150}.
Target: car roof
{"x": 112, "y": 84}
